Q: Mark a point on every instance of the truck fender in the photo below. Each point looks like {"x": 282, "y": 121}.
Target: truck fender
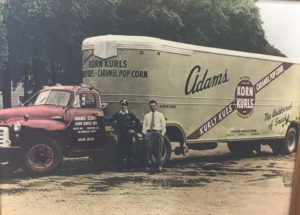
{"x": 38, "y": 130}
{"x": 48, "y": 125}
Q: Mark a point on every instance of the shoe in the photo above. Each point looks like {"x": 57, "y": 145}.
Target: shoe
{"x": 160, "y": 169}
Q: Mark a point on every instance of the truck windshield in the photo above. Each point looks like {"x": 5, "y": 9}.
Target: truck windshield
{"x": 53, "y": 97}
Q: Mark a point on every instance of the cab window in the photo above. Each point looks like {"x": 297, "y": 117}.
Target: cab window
{"x": 85, "y": 101}
{"x": 53, "y": 97}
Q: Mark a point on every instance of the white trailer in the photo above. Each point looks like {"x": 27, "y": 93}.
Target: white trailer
{"x": 207, "y": 95}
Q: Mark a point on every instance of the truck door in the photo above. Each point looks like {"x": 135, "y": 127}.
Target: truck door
{"x": 86, "y": 130}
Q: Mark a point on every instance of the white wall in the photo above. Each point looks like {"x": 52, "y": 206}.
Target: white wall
{"x": 19, "y": 91}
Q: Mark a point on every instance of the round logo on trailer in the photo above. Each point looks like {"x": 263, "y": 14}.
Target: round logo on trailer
{"x": 244, "y": 97}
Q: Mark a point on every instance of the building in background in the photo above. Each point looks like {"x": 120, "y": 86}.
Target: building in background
{"x": 15, "y": 95}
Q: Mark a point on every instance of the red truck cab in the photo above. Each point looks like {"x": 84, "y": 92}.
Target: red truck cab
{"x": 61, "y": 121}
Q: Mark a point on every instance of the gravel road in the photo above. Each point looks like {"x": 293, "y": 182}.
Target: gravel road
{"x": 203, "y": 182}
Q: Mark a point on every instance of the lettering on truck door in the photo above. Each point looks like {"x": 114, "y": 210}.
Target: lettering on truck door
{"x": 85, "y": 129}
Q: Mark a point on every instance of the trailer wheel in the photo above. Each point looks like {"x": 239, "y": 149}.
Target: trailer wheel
{"x": 291, "y": 139}
{"x": 166, "y": 152}
{"x": 43, "y": 156}
{"x": 289, "y": 143}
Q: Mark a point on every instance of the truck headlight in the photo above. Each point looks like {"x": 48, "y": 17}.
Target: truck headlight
{"x": 17, "y": 127}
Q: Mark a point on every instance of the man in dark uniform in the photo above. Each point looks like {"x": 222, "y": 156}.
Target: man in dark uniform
{"x": 127, "y": 125}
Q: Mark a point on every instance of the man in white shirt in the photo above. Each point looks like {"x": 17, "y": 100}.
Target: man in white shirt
{"x": 154, "y": 128}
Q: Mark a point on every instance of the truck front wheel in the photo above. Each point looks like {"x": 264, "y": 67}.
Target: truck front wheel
{"x": 43, "y": 156}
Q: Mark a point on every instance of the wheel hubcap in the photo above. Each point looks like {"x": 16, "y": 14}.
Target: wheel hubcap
{"x": 41, "y": 156}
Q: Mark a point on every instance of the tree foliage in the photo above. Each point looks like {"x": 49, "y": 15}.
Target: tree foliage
{"x": 40, "y": 40}
{"x": 3, "y": 39}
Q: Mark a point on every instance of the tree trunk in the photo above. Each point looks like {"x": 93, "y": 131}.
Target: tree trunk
{"x": 53, "y": 74}
{"x": 6, "y": 87}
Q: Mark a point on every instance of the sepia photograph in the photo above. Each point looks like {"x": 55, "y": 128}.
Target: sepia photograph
{"x": 163, "y": 107}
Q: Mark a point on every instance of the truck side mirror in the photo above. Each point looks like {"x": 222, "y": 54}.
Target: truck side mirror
{"x": 104, "y": 105}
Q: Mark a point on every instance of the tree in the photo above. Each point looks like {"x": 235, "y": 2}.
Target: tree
{"x": 3, "y": 41}
{"x": 40, "y": 43}
{"x": 41, "y": 40}
{"x": 149, "y": 18}
{"x": 228, "y": 24}
{"x": 4, "y": 85}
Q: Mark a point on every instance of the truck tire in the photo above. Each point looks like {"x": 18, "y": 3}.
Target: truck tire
{"x": 43, "y": 156}
{"x": 289, "y": 143}
{"x": 166, "y": 152}
{"x": 244, "y": 148}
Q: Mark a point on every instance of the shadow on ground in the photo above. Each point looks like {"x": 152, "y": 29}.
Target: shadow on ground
{"x": 189, "y": 171}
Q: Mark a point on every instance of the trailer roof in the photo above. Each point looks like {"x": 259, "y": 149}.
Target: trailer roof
{"x": 152, "y": 43}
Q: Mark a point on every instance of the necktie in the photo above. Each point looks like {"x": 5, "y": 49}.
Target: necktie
{"x": 152, "y": 121}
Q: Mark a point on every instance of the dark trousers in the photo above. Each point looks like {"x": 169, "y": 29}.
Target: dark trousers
{"x": 124, "y": 145}
{"x": 154, "y": 144}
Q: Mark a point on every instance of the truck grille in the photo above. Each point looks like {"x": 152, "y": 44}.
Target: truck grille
{"x": 4, "y": 137}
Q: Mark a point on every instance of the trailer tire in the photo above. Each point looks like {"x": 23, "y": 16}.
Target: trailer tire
{"x": 289, "y": 143}
{"x": 43, "y": 156}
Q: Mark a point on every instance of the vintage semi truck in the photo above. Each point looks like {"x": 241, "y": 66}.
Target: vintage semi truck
{"x": 208, "y": 95}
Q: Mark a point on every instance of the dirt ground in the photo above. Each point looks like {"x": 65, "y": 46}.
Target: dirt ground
{"x": 203, "y": 182}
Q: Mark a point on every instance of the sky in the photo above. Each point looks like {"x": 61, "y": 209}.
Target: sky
{"x": 282, "y": 25}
